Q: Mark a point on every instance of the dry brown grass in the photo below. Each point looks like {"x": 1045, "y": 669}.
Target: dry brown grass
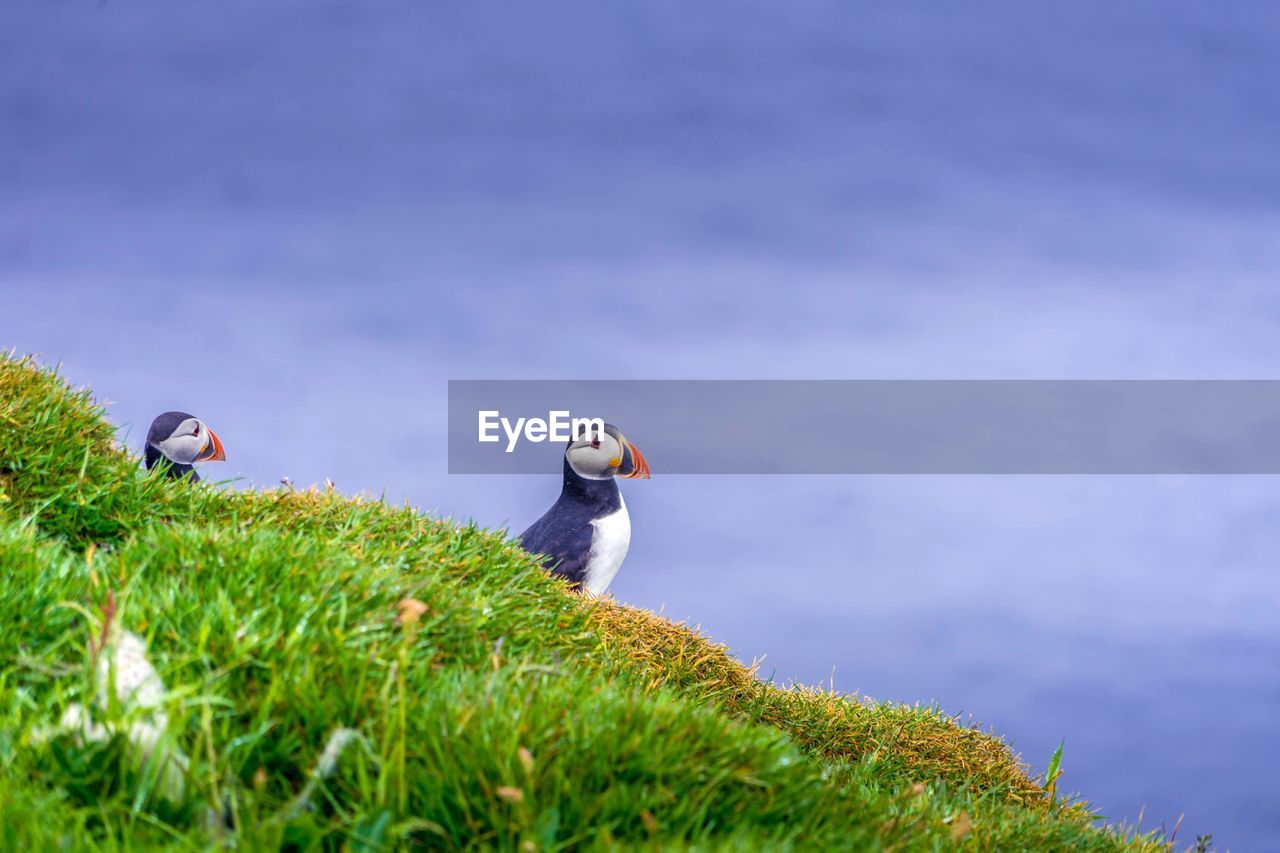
{"x": 923, "y": 742}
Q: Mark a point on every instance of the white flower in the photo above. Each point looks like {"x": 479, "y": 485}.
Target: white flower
{"x": 139, "y": 690}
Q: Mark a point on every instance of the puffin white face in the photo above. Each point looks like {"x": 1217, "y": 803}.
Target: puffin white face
{"x": 601, "y": 455}
{"x": 191, "y": 441}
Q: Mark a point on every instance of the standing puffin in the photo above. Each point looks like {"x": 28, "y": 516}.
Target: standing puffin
{"x": 585, "y": 534}
{"x": 182, "y": 440}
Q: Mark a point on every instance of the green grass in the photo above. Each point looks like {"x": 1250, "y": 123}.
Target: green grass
{"x": 511, "y": 714}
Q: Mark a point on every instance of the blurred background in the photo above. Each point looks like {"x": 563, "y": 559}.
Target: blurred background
{"x": 297, "y": 220}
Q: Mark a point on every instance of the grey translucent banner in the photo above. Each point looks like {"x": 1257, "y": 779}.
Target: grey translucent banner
{"x": 878, "y": 427}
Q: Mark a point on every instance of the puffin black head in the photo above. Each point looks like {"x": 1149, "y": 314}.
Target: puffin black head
{"x": 183, "y": 440}
{"x": 603, "y": 455}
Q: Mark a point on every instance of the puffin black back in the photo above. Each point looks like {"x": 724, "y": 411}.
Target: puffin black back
{"x": 562, "y": 537}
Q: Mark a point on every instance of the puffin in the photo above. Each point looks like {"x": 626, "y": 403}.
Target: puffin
{"x": 182, "y": 440}
{"x": 584, "y": 536}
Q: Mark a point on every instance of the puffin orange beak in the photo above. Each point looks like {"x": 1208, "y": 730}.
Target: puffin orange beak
{"x": 634, "y": 465}
{"x": 213, "y": 451}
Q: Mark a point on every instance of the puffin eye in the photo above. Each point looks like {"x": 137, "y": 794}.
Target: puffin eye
{"x": 595, "y": 442}
{"x": 196, "y": 431}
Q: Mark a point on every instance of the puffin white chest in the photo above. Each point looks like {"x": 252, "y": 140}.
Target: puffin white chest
{"x": 610, "y": 538}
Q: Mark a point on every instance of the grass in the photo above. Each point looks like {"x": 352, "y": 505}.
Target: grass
{"x": 480, "y": 703}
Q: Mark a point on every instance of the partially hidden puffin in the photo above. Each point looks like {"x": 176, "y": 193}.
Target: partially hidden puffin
{"x": 585, "y": 535}
{"x": 182, "y": 440}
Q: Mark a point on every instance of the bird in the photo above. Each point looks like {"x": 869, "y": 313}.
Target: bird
{"x": 585, "y": 535}
{"x": 182, "y": 440}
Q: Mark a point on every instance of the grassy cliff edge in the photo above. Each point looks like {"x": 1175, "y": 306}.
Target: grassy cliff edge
{"x": 341, "y": 672}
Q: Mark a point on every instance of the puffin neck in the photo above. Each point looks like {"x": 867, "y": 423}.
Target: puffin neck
{"x": 602, "y": 493}
{"x": 176, "y": 469}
